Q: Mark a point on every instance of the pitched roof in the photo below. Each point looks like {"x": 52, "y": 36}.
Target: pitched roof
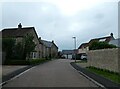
{"x": 83, "y": 45}
{"x": 16, "y": 32}
{"x": 106, "y": 39}
{"x": 47, "y": 43}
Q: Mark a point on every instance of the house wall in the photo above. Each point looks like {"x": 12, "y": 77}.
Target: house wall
{"x": 38, "y": 46}
{"x": 83, "y": 50}
{"x": 47, "y": 52}
{"x": 40, "y": 51}
{"x": 105, "y": 58}
{"x": 54, "y": 51}
{"x": 44, "y": 50}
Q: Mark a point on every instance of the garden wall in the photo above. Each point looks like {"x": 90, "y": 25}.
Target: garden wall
{"x": 105, "y": 59}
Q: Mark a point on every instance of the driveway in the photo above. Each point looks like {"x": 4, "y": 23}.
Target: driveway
{"x": 56, "y": 73}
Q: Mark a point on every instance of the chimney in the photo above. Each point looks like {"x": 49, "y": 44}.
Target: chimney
{"x": 19, "y": 26}
{"x": 52, "y": 41}
{"x": 39, "y": 38}
{"x": 111, "y": 34}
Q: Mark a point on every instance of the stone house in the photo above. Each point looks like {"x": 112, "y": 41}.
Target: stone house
{"x": 49, "y": 49}
{"x": 19, "y": 33}
{"x": 85, "y": 46}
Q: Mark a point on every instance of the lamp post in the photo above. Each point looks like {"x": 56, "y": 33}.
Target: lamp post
{"x": 75, "y": 47}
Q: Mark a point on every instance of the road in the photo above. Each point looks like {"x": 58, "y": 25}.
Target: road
{"x": 56, "y": 73}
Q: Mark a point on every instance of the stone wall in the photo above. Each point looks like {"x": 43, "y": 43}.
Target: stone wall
{"x": 105, "y": 59}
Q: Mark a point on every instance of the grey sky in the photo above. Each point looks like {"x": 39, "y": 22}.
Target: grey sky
{"x": 60, "y": 20}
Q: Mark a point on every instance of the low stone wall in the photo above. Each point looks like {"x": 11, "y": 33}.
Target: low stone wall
{"x": 106, "y": 59}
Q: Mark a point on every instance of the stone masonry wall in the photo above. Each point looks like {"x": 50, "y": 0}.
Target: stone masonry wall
{"x": 105, "y": 59}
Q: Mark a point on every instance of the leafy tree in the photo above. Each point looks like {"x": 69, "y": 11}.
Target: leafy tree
{"x": 28, "y": 45}
{"x": 100, "y": 45}
{"x": 8, "y": 45}
{"x": 18, "y": 51}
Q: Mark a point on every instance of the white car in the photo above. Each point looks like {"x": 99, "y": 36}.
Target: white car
{"x": 83, "y": 56}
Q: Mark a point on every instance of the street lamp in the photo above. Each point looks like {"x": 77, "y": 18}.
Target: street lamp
{"x": 75, "y": 47}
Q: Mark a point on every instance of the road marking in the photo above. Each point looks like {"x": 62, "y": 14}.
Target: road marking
{"x": 3, "y": 83}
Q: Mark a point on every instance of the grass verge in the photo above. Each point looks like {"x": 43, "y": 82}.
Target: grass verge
{"x": 113, "y": 76}
{"x": 81, "y": 61}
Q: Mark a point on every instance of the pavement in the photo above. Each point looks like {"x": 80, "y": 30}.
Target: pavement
{"x": 9, "y": 72}
{"x": 56, "y": 73}
{"x": 10, "y": 69}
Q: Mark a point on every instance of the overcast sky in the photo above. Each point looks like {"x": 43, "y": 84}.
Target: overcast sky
{"x": 60, "y": 20}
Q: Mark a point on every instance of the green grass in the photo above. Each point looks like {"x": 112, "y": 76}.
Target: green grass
{"x": 81, "y": 61}
{"x": 113, "y": 76}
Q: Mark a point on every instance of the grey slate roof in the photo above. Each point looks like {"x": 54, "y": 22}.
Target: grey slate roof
{"x": 47, "y": 43}
{"x": 16, "y": 32}
{"x": 83, "y": 45}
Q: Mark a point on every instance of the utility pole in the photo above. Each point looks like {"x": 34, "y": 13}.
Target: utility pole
{"x": 75, "y": 47}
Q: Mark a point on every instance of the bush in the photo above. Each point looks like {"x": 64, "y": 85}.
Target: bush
{"x": 37, "y": 61}
{"x": 100, "y": 45}
{"x": 16, "y": 62}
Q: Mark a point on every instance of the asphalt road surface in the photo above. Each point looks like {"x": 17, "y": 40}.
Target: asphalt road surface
{"x": 56, "y": 73}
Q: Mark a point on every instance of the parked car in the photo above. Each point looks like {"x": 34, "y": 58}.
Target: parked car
{"x": 84, "y": 57}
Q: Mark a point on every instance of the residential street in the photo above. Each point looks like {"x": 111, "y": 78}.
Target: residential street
{"x": 56, "y": 73}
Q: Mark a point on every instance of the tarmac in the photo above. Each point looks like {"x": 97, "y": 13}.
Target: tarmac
{"x": 11, "y": 71}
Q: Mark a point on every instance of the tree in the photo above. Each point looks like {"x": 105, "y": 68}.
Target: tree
{"x": 8, "y": 45}
{"x": 18, "y": 51}
{"x": 100, "y": 45}
{"x": 28, "y": 45}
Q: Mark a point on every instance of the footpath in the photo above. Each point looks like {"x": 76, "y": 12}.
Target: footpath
{"x": 11, "y": 71}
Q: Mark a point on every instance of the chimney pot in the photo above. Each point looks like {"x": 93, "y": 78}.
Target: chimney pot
{"x": 52, "y": 41}
{"x": 19, "y": 26}
{"x": 111, "y": 34}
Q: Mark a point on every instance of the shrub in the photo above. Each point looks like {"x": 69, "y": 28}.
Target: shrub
{"x": 100, "y": 45}
{"x": 16, "y": 62}
{"x": 37, "y": 61}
